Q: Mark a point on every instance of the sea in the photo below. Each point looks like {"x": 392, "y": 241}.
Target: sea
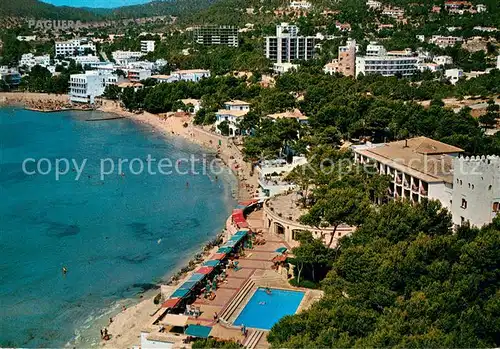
{"x": 117, "y": 235}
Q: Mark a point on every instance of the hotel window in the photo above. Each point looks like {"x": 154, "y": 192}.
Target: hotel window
{"x": 496, "y": 207}
{"x": 464, "y": 204}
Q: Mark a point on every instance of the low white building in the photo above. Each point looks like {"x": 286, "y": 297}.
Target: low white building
{"x": 30, "y": 60}
{"x": 481, "y": 8}
{"x": 422, "y": 168}
{"x": 196, "y": 103}
{"x": 136, "y": 75}
{"x": 84, "y": 88}
{"x": 147, "y": 46}
{"x": 86, "y": 59}
{"x": 75, "y": 47}
{"x": 272, "y": 174}
{"x": 453, "y": 75}
{"x": 193, "y": 75}
{"x": 295, "y": 114}
{"x": 281, "y": 68}
{"x": 300, "y": 5}
{"x": 498, "y": 62}
{"x": 124, "y": 57}
{"x": 373, "y": 4}
{"x": 232, "y": 113}
{"x": 26, "y": 38}
{"x": 442, "y": 60}
{"x": 332, "y": 67}
{"x": 433, "y": 67}
{"x": 445, "y": 41}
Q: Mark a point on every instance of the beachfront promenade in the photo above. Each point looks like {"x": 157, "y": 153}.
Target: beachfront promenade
{"x": 255, "y": 269}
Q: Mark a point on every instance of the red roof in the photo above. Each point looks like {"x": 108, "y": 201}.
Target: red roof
{"x": 171, "y": 303}
{"x": 204, "y": 270}
{"x": 218, "y": 256}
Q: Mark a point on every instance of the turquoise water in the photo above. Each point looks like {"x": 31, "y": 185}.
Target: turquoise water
{"x": 116, "y": 237}
{"x": 264, "y": 310}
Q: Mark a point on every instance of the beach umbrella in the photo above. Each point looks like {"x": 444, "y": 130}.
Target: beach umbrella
{"x": 198, "y": 331}
{"x": 211, "y": 263}
{"x": 180, "y": 293}
{"x": 281, "y": 250}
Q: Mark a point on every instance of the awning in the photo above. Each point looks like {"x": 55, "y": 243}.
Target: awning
{"x": 212, "y": 263}
{"x": 281, "y": 250}
{"x": 241, "y": 233}
{"x": 175, "y": 320}
{"x": 188, "y": 285}
{"x": 218, "y": 256}
{"x": 171, "y": 303}
{"x": 231, "y": 243}
{"x": 242, "y": 224}
{"x": 204, "y": 270}
{"x": 224, "y": 250}
{"x": 198, "y": 331}
{"x": 196, "y": 277}
{"x": 248, "y": 203}
{"x": 180, "y": 292}
{"x": 280, "y": 258}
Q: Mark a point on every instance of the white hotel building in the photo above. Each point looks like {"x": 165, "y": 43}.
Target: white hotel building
{"x": 379, "y": 61}
{"x": 422, "y": 168}
{"x": 29, "y": 60}
{"x": 287, "y": 46}
{"x": 147, "y": 46}
{"x": 74, "y": 47}
{"x": 84, "y": 88}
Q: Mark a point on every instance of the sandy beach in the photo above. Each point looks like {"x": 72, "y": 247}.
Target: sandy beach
{"x": 127, "y": 324}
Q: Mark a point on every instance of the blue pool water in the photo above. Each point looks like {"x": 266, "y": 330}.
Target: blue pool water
{"x": 264, "y": 310}
{"x": 117, "y": 237}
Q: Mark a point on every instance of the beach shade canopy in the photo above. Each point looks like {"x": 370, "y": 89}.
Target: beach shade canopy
{"x": 175, "y": 320}
{"x": 224, "y": 250}
{"x": 231, "y": 243}
{"x": 180, "y": 292}
{"x": 196, "y": 277}
{"x": 281, "y": 250}
{"x": 218, "y": 256}
{"x": 171, "y": 303}
{"x": 189, "y": 285}
{"x": 241, "y": 233}
{"x": 198, "y": 331}
{"x": 243, "y": 224}
{"x": 212, "y": 263}
{"x": 279, "y": 259}
{"x": 204, "y": 270}
{"x": 248, "y": 203}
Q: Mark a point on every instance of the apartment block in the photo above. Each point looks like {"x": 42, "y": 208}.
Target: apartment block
{"x": 288, "y": 46}
{"x": 216, "y": 35}
{"x": 84, "y": 88}
{"x": 76, "y": 47}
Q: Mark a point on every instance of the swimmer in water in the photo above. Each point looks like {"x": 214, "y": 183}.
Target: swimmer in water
{"x": 64, "y": 270}
{"x": 187, "y": 184}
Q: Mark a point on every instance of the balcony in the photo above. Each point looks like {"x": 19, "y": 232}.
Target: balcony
{"x": 398, "y": 180}
{"x": 414, "y": 188}
{"x": 406, "y": 184}
{"x": 423, "y": 191}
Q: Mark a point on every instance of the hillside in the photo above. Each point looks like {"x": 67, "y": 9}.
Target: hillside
{"x": 41, "y": 10}
{"x": 38, "y": 9}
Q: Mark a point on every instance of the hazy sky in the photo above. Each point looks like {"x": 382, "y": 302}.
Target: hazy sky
{"x": 95, "y": 3}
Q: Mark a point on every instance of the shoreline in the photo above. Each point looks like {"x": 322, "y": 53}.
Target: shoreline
{"x": 139, "y": 313}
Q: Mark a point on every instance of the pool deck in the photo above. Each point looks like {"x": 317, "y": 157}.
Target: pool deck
{"x": 255, "y": 266}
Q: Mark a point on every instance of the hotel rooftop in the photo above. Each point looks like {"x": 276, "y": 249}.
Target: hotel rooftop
{"x": 421, "y": 157}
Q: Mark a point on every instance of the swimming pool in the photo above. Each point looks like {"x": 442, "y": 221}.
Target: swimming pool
{"x": 264, "y": 310}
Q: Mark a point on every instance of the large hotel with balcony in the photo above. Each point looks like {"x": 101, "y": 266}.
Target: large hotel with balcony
{"x": 422, "y": 168}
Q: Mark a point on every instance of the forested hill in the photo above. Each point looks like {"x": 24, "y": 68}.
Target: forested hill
{"x": 38, "y": 9}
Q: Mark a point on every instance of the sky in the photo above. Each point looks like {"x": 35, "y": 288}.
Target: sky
{"x": 95, "y": 3}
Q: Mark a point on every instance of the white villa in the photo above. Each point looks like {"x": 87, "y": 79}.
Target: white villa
{"x": 232, "y": 113}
